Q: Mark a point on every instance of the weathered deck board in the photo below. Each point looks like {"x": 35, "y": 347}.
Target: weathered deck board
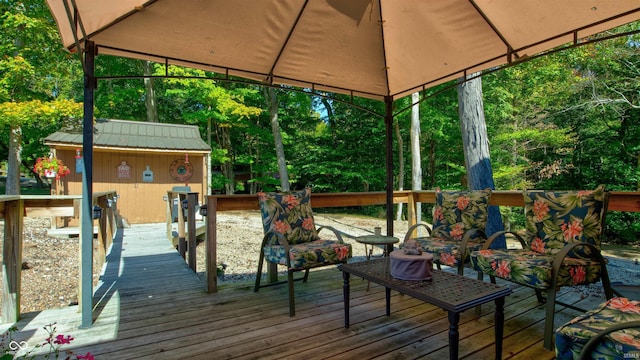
{"x": 150, "y": 305}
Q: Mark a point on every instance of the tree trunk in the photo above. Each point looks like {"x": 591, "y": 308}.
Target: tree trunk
{"x": 150, "y": 96}
{"x": 227, "y": 166}
{"x": 13, "y": 162}
{"x": 476, "y": 147}
{"x": 400, "y": 166}
{"x": 272, "y": 99}
{"x": 330, "y": 118}
{"x": 416, "y": 160}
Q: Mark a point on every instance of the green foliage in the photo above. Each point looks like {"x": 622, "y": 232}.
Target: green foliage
{"x": 570, "y": 120}
{"x": 36, "y": 78}
{"x": 37, "y": 119}
{"x": 622, "y": 228}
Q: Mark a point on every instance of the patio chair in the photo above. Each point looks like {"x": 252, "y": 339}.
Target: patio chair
{"x": 561, "y": 247}
{"x": 459, "y": 222}
{"x": 292, "y": 240}
{"x": 612, "y": 331}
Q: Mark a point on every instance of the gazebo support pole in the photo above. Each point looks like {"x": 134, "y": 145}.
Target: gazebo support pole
{"x": 86, "y": 226}
{"x": 388, "y": 122}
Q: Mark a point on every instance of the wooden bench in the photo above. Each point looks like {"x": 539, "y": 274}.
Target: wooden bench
{"x": 201, "y": 230}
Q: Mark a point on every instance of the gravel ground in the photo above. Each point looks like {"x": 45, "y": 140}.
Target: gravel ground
{"x": 50, "y": 267}
{"x": 50, "y": 275}
{"x": 240, "y": 233}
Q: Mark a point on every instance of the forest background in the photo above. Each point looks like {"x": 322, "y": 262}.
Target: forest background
{"x": 570, "y": 120}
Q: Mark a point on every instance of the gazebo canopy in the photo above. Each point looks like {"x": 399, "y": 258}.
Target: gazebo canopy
{"x": 367, "y": 48}
{"x": 378, "y": 49}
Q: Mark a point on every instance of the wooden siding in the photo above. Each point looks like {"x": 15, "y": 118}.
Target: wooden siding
{"x": 139, "y": 202}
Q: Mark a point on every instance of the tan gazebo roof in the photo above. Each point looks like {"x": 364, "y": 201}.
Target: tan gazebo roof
{"x": 368, "y": 48}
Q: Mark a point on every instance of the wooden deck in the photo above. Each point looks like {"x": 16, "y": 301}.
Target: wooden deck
{"x": 150, "y": 305}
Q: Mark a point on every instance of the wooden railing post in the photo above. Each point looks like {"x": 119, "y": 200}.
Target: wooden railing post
{"x": 12, "y": 260}
{"x": 192, "y": 200}
{"x": 111, "y": 218}
{"x": 182, "y": 242}
{"x": 169, "y": 215}
{"x": 211, "y": 246}
{"x": 101, "y": 201}
{"x": 411, "y": 210}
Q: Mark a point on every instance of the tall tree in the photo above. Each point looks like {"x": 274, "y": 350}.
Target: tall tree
{"x": 416, "y": 158}
{"x": 149, "y": 94}
{"x": 272, "y": 103}
{"x": 400, "y": 142}
{"x": 29, "y": 78}
{"x": 476, "y": 145}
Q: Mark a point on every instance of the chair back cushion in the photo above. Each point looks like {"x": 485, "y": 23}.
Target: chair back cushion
{"x": 554, "y": 219}
{"x": 290, "y": 214}
{"x": 455, "y": 212}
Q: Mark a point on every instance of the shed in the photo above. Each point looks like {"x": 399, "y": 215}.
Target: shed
{"x": 140, "y": 160}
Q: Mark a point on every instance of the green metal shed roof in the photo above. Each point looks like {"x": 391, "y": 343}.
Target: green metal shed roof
{"x": 136, "y": 135}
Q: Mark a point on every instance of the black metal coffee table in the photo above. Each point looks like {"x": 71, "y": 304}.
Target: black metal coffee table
{"x": 452, "y": 292}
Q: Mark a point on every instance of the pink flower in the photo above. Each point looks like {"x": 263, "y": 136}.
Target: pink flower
{"x": 503, "y": 270}
{"x": 582, "y": 193}
{"x": 538, "y": 245}
{"x": 540, "y": 210}
{"x": 86, "y": 356}
{"x": 462, "y": 202}
{"x": 281, "y": 227}
{"x": 487, "y": 252}
{"x": 447, "y": 259}
{"x": 308, "y": 224}
{"x": 457, "y": 231}
{"x": 625, "y": 338}
{"x": 625, "y": 305}
{"x": 61, "y": 339}
{"x": 291, "y": 201}
{"x": 578, "y": 274}
{"x": 437, "y": 213}
{"x": 342, "y": 252}
{"x": 571, "y": 231}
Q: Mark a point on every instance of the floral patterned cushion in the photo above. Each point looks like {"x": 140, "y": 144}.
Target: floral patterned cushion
{"x": 553, "y": 220}
{"x": 309, "y": 255}
{"x": 455, "y": 212}
{"x": 290, "y": 214}
{"x": 445, "y": 251}
{"x": 571, "y": 337}
{"x": 533, "y": 269}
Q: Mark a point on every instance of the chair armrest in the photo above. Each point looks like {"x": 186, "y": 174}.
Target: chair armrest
{"x": 467, "y": 237}
{"x": 279, "y": 239}
{"x": 337, "y": 233}
{"x": 595, "y": 254}
{"x": 411, "y": 229}
{"x": 496, "y": 235}
{"x": 591, "y": 344}
{"x": 564, "y": 253}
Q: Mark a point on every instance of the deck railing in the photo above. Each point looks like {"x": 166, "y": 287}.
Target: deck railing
{"x": 13, "y": 209}
{"x": 186, "y": 204}
{"x": 619, "y": 201}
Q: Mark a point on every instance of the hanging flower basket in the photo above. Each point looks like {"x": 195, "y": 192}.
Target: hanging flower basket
{"x": 51, "y": 167}
{"x": 50, "y": 173}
